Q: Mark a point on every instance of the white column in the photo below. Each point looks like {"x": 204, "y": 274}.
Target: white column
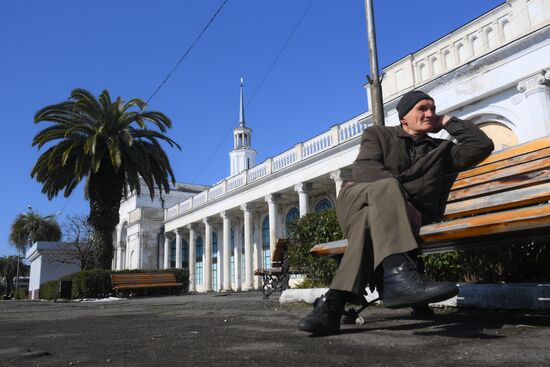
{"x": 219, "y": 256}
{"x": 207, "y": 255}
{"x": 237, "y": 256}
{"x": 272, "y": 207}
{"x": 257, "y": 249}
{"x": 166, "y": 251}
{"x": 192, "y": 257}
{"x": 118, "y": 253}
{"x": 336, "y": 176}
{"x": 178, "y": 249}
{"x": 226, "y": 251}
{"x": 303, "y": 189}
{"x": 247, "y": 285}
{"x": 537, "y": 93}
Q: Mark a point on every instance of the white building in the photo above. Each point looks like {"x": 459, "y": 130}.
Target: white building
{"x": 495, "y": 71}
{"x": 47, "y": 263}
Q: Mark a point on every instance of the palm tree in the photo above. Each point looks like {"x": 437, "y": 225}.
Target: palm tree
{"x": 9, "y": 268}
{"x": 30, "y": 227}
{"x": 109, "y": 144}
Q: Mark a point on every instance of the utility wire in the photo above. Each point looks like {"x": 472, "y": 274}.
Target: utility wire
{"x": 257, "y": 88}
{"x": 187, "y": 52}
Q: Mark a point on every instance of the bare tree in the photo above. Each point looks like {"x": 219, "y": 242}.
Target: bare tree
{"x": 77, "y": 246}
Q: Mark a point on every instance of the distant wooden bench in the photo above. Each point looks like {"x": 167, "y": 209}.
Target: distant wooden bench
{"x": 275, "y": 279}
{"x": 501, "y": 201}
{"x": 123, "y": 283}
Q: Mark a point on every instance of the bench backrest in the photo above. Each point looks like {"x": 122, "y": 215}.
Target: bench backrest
{"x": 511, "y": 178}
{"x": 142, "y": 278}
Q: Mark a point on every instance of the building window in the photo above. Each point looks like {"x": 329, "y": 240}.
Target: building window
{"x": 323, "y": 204}
{"x": 291, "y": 216}
{"x": 198, "y": 266}
{"x": 184, "y": 253}
{"x": 173, "y": 253}
{"x": 501, "y": 135}
{"x": 266, "y": 252}
{"x": 214, "y": 261}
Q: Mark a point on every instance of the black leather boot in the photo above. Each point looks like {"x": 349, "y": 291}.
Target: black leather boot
{"x": 404, "y": 286}
{"x": 326, "y": 314}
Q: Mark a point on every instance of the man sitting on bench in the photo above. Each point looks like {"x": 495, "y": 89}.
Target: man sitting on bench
{"x": 400, "y": 181}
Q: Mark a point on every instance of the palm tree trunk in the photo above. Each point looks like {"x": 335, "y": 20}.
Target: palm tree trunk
{"x": 105, "y": 193}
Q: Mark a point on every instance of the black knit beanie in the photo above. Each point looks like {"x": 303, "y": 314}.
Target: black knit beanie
{"x": 408, "y": 101}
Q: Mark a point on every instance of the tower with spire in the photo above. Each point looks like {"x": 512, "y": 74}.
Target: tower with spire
{"x": 242, "y": 156}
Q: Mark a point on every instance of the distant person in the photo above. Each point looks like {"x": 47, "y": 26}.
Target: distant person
{"x": 400, "y": 181}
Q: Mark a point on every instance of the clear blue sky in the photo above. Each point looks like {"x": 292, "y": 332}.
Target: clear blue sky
{"x": 48, "y": 48}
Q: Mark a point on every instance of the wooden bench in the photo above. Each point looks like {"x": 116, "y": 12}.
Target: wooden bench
{"x": 123, "y": 283}
{"x": 275, "y": 279}
{"x": 501, "y": 201}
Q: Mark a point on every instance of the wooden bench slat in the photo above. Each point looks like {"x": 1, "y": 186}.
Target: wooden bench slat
{"x": 505, "y": 154}
{"x": 500, "y": 222}
{"x": 500, "y": 201}
{"x": 512, "y": 161}
{"x": 517, "y": 170}
{"x": 144, "y": 280}
{"x": 510, "y": 183}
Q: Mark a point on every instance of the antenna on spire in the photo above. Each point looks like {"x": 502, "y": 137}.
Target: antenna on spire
{"x": 241, "y": 109}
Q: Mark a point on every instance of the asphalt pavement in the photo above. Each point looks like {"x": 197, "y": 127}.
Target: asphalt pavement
{"x": 244, "y": 329}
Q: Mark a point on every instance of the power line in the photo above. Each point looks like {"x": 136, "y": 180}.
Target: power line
{"x": 258, "y": 87}
{"x": 187, "y": 52}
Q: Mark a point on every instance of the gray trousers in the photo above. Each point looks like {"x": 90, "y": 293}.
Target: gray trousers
{"x": 374, "y": 219}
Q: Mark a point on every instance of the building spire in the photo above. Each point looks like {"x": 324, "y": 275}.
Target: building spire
{"x": 241, "y": 110}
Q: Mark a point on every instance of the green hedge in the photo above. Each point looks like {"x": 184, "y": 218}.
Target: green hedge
{"x": 96, "y": 283}
{"x": 512, "y": 264}
{"x": 307, "y": 231}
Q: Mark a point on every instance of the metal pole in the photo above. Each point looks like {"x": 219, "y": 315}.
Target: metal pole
{"x": 377, "y": 106}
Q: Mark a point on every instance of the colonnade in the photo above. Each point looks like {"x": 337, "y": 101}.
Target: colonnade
{"x": 243, "y": 226}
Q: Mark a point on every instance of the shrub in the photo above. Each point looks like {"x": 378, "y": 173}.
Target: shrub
{"x": 49, "y": 290}
{"x": 516, "y": 263}
{"x": 307, "y": 231}
{"x": 21, "y": 293}
{"x": 95, "y": 283}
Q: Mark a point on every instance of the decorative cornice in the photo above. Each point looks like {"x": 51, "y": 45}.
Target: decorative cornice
{"x": 534, "y": 82}
{"x": 303, "y": 187}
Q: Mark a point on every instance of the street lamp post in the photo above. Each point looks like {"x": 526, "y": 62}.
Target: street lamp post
{"x": 377, "y": 106}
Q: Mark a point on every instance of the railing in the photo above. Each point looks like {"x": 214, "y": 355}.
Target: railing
{"x": 216, "y": 191}
{"x": 259, "y": 171}
{"x": 338, "y": 134}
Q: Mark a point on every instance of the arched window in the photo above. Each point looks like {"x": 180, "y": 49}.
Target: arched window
{"x": 448, "y": 59}
{"x": 266, "y": 252}
{"x": 436, "y": 68}
{"x": 323, "y": 204}
{"x": 476, "y": 45}
{"x": 291, "y": 216}
{"x": 491, "y": 36}
{"x": 423, "y": 71}
{"x": 173, "y": 253}
{"x": 461, "y": 52}
{"x": 184, "y": 253}
{"x": 501, "y": 135}
{"x": 506, "y": 30}
{"x": 198, "y": 266}
{"x": 214, "y": 261}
